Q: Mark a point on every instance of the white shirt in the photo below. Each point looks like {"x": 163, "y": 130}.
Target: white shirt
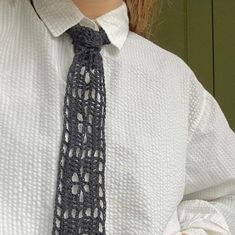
{"x": 170, "y": 152}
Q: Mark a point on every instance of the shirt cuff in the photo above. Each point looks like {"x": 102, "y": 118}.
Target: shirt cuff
{"x": 200, "y": 217}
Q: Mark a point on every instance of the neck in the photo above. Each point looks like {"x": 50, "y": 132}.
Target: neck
{"x": 95, "y": 8}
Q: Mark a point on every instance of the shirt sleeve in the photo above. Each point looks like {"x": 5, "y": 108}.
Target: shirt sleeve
{"x": 208, "y": 205}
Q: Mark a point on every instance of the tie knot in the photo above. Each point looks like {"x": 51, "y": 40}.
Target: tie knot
{"x": 87, "y": 37}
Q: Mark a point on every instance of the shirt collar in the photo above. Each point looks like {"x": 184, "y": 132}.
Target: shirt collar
{"x": 60, "y": 15}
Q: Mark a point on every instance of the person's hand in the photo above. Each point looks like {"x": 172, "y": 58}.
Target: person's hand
{"x": 193, "y": 231}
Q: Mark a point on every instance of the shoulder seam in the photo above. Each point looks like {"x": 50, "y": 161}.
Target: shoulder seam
{"x": 200, "y": 115}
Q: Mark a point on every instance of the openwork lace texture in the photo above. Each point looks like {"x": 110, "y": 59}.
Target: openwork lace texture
{"x": 80, "y": 197}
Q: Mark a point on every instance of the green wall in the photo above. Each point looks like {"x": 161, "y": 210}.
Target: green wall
{"x": 202, "y": 33}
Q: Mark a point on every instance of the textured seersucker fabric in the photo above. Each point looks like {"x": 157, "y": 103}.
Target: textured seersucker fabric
{"x": 170, "y": 165}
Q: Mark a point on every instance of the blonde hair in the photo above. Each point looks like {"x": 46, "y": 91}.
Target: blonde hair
{"x": 141, "y": 15}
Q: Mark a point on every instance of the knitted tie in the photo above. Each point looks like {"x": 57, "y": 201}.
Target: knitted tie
{"x": 80, "y": 197}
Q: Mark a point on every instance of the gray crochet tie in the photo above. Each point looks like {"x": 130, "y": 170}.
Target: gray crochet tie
{"x": 80, "y": 197}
